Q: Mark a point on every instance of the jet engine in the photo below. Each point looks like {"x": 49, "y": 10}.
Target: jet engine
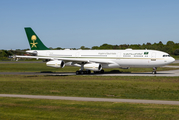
{"x": 56, "y": 64}
{"x": 93, "y": 66}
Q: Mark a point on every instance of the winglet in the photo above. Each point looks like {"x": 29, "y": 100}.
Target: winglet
{"x": 34, "y": 41}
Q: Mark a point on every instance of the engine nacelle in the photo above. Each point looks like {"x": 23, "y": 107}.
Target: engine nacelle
{"x": 93, "y": 66}
{"x": 56, "y": 64}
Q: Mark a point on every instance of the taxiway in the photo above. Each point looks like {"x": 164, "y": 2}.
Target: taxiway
{"x": 93, "y": 99}
{"x": 170, "y": 73}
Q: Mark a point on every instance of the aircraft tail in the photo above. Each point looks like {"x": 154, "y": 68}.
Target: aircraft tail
{"x": 34, "y": 41}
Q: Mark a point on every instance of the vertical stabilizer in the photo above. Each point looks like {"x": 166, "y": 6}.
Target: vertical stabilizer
{"x": 34, "y": 41}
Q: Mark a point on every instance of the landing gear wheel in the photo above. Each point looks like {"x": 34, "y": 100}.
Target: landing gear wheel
{"x": 102, "y": 71}
{"x": 77, "y": 72}
{"x": 154, "y": 72}
{"x": 83, "y": 72}
{"x": 88, "y": 71}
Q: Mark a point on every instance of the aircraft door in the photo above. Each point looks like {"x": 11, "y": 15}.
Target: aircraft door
{"x": 118, "y": 58}
{"x": 77, "y": 54}
{"x": 153, "y": 56}
{"x": 118, "y": 55}
{"x": 48, "y": 53}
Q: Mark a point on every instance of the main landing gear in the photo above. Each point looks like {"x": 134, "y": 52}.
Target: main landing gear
{"x": 154, "y": 70}
{"x": 83, "y": 72}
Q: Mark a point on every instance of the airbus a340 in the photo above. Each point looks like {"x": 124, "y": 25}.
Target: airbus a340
{"x": 95, "y": 60}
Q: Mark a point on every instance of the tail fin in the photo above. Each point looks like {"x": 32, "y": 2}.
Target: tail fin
{"x": 34, "y": 41}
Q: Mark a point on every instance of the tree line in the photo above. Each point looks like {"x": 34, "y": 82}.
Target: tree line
{"x": 170, "y": 47}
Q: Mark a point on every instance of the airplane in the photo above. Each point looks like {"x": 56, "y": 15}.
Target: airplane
{"x": 95, "y": 60}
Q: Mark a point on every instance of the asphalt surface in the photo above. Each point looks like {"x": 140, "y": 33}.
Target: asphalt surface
{"x": 176, "y": 61}
{"x": 93, "y": 99}
{"x": 169, "y": 73}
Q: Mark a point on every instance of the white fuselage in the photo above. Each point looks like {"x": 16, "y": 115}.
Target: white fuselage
{"x": 111, "y": 58}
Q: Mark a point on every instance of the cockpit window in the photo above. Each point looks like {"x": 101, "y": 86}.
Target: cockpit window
{"x": 166, "y": 55}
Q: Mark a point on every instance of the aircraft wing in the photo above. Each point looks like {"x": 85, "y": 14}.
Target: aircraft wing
{"x": 31, "y": 57}
{"x": 77, "y": 60}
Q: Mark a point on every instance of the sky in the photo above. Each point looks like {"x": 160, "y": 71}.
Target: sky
{"x": 76, "y": 23}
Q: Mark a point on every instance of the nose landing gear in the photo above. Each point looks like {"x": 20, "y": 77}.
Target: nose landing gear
{"x": 154, "y": 70}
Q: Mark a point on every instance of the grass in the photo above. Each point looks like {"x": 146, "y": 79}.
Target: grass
{"x": 28, "y": 109}
{"x": 175, "y": 64}
{"x": 40, "y": 67}
{"x": 159, "y": 88}
{"x": 32, "y": 67}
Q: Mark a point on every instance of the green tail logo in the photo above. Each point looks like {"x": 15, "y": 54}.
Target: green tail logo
{"x": 34, "y": 41}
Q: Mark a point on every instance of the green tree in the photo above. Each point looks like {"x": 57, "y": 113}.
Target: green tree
{"x": 95, "y": 47}
{"x": 106, "y": 46}
{"x": 176, "y": 52}
{"x": 170, "y": 43}
{"x": 84, "y": 48}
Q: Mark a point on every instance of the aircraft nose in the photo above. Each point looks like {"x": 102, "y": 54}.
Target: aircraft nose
{"x": 172, "y": 60}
